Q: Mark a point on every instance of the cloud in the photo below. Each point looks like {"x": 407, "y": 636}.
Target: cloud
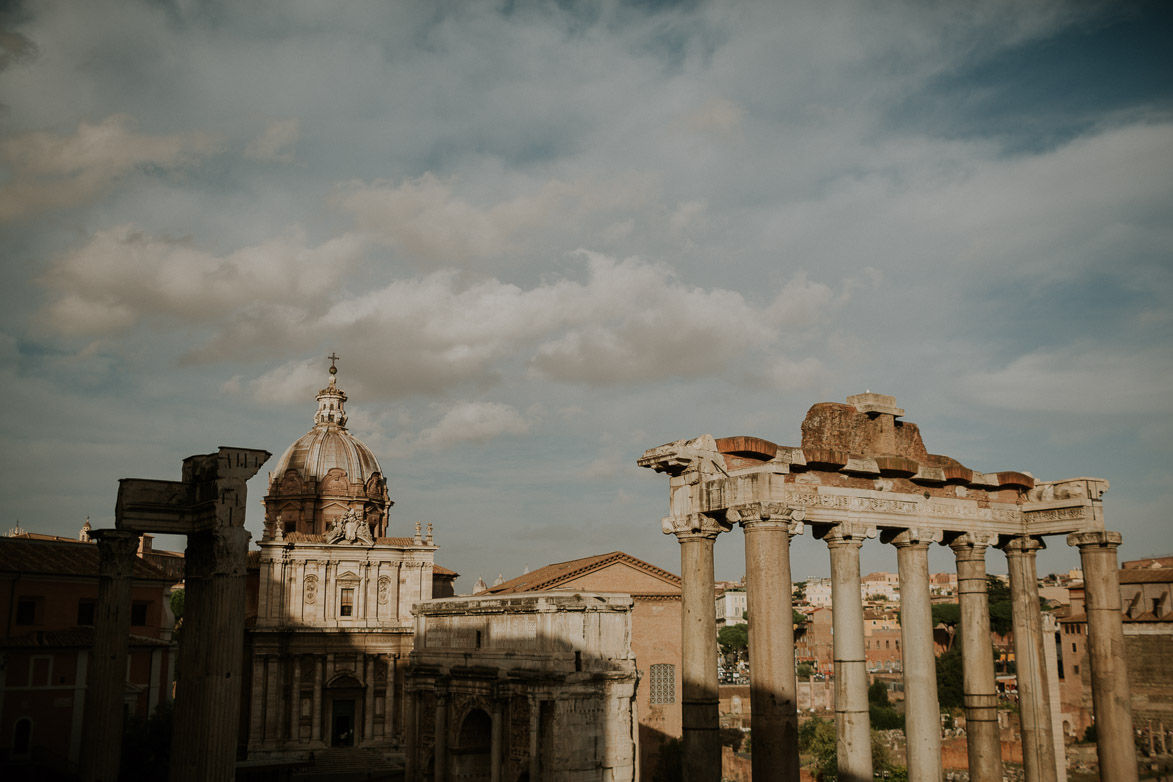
{"x": 426, "y": 219}
{"x": 276, "y": 141}
{"x": 464, "y": 422}
{"x": 123, "y": 275}
{"x": 1079, "y": 379}
{"x": 15, "y": 49}
{"x": 50, "y": 171}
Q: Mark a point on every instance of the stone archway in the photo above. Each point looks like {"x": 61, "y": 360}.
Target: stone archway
{"x": 345, "y": 699}
{"x": 471, "y": 757}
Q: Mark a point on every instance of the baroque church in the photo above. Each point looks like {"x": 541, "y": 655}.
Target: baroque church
{"x": 333, "y": 629}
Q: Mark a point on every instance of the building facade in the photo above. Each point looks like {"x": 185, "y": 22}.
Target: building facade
{"x": 334, "y": 593}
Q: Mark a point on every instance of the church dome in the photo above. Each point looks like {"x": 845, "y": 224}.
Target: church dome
{"x": 325, "y": 473}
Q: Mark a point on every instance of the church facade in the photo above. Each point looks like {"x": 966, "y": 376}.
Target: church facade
{"x": 333, "y": 626}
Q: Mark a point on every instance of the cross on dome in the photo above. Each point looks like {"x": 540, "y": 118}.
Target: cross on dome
{"x": 331, "y": 399}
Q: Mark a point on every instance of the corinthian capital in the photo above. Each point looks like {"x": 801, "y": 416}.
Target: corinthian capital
{"x": 848, "y": 533}
{"x": 1023, "y": 545}
{"x": 767, "y": 514}
{"x": 1099, "y": 538}
{"x": 694, "y": 525}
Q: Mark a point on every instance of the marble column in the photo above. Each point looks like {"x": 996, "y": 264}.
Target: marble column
{"x": 700, "y": 716}
{"x": 772, "y": 686}
{"x": 1106, "y": 654}
{"x": 368, "y": 717}
{"x": 980, "y": 691}
{"x": 535, "y": 747}
{"x": 1034, "y": 701}
{"x": 922, "y": 713}
{"x": 101, "y": 748}
{"x": 411, "y": 729}
{"x": 316, "y": 716}
{"x": 852, "y": 721}
{"x": 207, "y": 699}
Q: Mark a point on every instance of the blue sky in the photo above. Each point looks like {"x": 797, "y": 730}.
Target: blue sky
{"x": 544, "y": 237}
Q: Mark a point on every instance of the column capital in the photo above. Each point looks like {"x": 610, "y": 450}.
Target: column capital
{"x": 116, "y": 550}
{"x": 1023, "y": 545}
{"x": 1098, "y": 538}
{"x": 976, "y": 542}
{"x": 848, "y": 534}
{"x": 761, "y": 515}
{"x": 914, "y": 536}
{"x": 694, "y": 526}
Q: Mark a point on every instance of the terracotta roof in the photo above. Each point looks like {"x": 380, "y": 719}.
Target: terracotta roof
{"x": 1147, "y": 576}
{"x": 551, "y": 576}
{"x": 440, "y": 570}
{"x": 73, "y": 637}
{"x": 62, "y": 558}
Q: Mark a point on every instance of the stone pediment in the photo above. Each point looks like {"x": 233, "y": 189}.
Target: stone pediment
{"x": 344, "y": 681}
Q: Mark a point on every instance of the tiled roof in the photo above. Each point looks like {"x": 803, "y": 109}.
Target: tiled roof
{"x": 62, "y": 558}
{"x": 1147, "y": 576}
{"x": 551, "y": 576}
{"x": 440, "y": 570}
{"x": 71, "y": 638}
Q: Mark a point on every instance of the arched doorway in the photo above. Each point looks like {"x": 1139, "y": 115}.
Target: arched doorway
{"x": 473, "y": 751}
{"x": 345, "y": 696}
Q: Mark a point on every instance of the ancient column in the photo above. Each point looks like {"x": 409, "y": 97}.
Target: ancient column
{"x": 368, "y": 717}
{"x": 1107, "y": 655}
{"x": 699, "y": 705}
{"x": 922, "y": 712}
{"x": 1034, "y": 702}
{"x": 497, "y": 747}
{"x": 852, "y": 721}
{"x": 535, "y": 726}
{"x": 772, "y": 686}
{"x": 101, "y": 747}
{"x": 207, "y": 699}
{"x": 977, "y": 663}
{"x": 440, "y": 764}
{"x": 411, "y": 731}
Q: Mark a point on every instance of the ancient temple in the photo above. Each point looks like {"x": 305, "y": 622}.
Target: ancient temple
{"x": 334, "y": 596}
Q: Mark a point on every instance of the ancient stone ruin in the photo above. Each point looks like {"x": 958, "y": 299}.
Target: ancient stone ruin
{"x": 861, "y": 473}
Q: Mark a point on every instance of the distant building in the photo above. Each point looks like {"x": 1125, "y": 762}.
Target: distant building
{"x": 731, "y": 607}
{"x": 655, "y": 632}
{"x": 332, "y": 625}
{"x": 48, "y": 601}
{"x": 526, "y": 685}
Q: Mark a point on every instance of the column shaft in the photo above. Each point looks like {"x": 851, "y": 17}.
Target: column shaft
{"x": 772, "y": 687}
{"x": 980, "y": 696}
{"x": 852, "y": 721}
{"x": 699, "y": 704}
{"x": 1034, "y": 702}
{"x": 922, "y": 712}
{"x": 316, "y": 717}
{"x": 101, "y": 749}
{"x": 440, "y": 765}
{"x": 295, "y": 701}
{"x": 1107, "y": 655}
{"x": 497, "y": 746}
{"x": 207, "y": 700}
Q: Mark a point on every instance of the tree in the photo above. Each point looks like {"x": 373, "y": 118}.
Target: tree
{"x": 878, "y": 694}
{"x": 999, "y": 597}
{"x": 948, "y": 614}
{"x": 804, "y": 671}
{"x": 949, "y": 678}
{"x": 799, "y": 593}
{"x": 799, "y": 617}
{"x": 733, "y": 639}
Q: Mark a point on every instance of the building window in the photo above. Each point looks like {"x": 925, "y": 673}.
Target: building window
{"x": 346, "y": 605}
{"x": 663, "y": 683}
{"x": 138, "y": 614}
{"x": 26, "y": 611}
{"x": 85, "y": 612}
{"x": 1075, "y": 668}
{"x": 1073, "y": 646}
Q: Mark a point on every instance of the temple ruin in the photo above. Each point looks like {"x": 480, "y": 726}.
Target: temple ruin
{"x": 863, "y": 473}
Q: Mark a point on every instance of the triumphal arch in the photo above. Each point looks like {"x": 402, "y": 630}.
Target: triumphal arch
{"x": 862, "y": 473}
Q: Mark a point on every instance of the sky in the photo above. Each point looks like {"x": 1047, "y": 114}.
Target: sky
{"x": 546, "y": 236}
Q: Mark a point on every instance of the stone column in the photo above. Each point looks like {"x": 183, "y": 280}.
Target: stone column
{"x": 272, "y": 700}
{"x": 440, "y": 765}
{"x": 295, "y": 701}
{"x": 1106, "y": 653}
{"x": 852, "y": 721}
{"x": 207, "y": 699}
{"x": 772, "y": 686}
{"x": 699, "y": 705}
{"x": 1034, "y": 701}
{"x": 101, "y": 748}
{"x": 979, "y": 686}
{"x": 497, "y": 748}
{"x": 411, "y": 731}
{"x": 368, "y": 717}
{"x": 922, "y": 712}
{"x": 316, "y": 717}
{"x": 535, "y": 723}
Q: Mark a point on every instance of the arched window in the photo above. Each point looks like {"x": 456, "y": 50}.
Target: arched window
{"x": 22, "y": 735}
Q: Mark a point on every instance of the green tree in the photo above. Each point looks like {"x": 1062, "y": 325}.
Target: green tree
{"x": 799, "y": 593}
{"x": 804, "y": 671}
{"x": 799, "y": 617}
{"x": 733, "y": 639}
{"x": 948, "y": 614}
{"x": 999, "y": 597}
{"x": 878, "y": 694}
{"x": 949, "y": 678}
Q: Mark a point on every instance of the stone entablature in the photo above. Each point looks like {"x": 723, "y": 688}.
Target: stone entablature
{"x": 537, "y": 685}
